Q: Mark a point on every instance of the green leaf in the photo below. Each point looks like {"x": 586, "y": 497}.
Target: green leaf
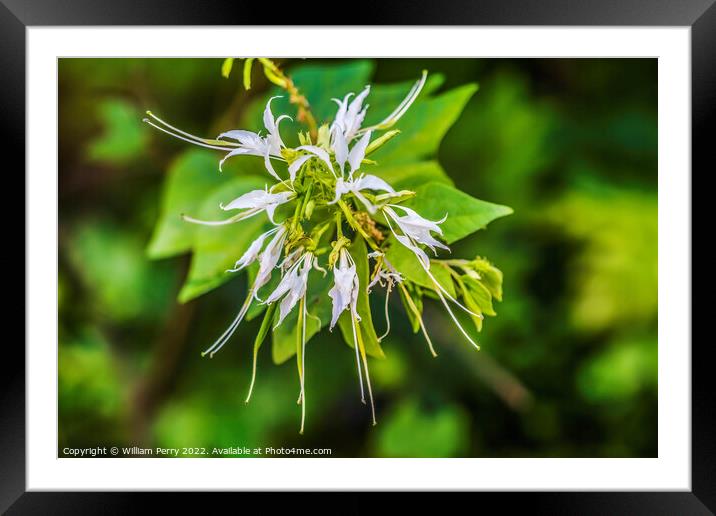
{"x": 410, "y": 176}
{"x": 359, "y": 253}
{"x": 490, "y": 276}
{"x": 465, "y": 214}
{"x": 124, "y": 136}
{"x": 424, "y": 125}
{"x": 481, "y": 295}
{"x": 405, "y": 261}
{"x": 191, "y": 177}
{"x": 318, "y": 306}
{"x": 216, "y": 248}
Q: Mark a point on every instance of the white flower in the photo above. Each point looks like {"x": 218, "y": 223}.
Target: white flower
{"x": 388, "y": 274}
{"x": 355, "y": 186}
{"x": 268, "y": 259}
{"x": 416, "y": 230}
{"x": 246, "y": 142}
{"x": 267, "y": 262}
{"x": 257, "y": 201}
{"x": 253, "y": 144}
{"x": 345, "y": 287}
{"x": 253, "y": 203}
{"x": 349, "y": 117}
{"x": 356, "y": 154}
{"x": 292, "y": 286}
{"x": 253, "y": 252}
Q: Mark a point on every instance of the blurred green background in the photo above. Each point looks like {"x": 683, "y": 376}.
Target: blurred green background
{"x": 568, "y": 368}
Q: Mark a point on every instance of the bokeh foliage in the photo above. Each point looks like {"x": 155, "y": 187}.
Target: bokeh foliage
{"x": 567, "y": 369}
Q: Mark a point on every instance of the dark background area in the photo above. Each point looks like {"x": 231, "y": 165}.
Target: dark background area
{"x": 568, "y": 367}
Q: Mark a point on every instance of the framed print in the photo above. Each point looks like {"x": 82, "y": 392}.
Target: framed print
{"x": 453, "y": 255}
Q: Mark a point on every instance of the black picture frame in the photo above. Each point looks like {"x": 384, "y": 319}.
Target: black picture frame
{"x": 700, "y": 15}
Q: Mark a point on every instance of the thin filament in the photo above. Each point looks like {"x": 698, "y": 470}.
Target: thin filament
{"x": 419, "y": 317}
{"x": 387, "y": 316}
{"x": 355, "y": 345}
{"x": 367, "y": 377}
{"x": 188, "y": 140}
{"x": 216, "y": 346}
{"x": 188, "y": 135}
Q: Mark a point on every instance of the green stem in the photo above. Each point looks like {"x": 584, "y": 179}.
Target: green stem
{"x": 296, "y": 212}
{"x": 339, "y": 224}
{"x": 306, "y": 198}
{"x": 354, "y": 224}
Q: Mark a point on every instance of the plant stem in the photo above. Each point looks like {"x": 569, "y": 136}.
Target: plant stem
{"x": 354, "y": 224}
{"x": 278, "y": 77}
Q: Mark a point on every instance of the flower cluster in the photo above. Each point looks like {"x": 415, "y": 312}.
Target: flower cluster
{"x": 322, "y": 201}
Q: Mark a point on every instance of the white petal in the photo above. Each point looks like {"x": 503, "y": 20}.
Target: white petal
{"x": 252, "y": 199}
{"x": 296, "y": 165}
{"x": 370, "y": 182}
{"x": 340, "y": 148}
{"x": 269, "y": 167}
{"x": 419, "y": 253}
{"x": 235, "y": 152}
{"x": 269, "y": 122}
{"x": 320, "y": 153}
{"x": 252, "y": 252}
{"x": 358, "y": 152}
{"x": 245, "y": 138}
{"x": 341, "y": 188}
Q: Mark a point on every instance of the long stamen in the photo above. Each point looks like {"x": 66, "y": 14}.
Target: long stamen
{"x": 419, "y": 317}
{"x": 236, "y": 218}
{"x": 427, "y": 269}
{"x": 367, "y": 376}
{"x": 402, "y": 108}
{"x": 188, "y": 140}
{"x": 189, "y": 135}
{"x": 355, "y": 345}
{"x": 216, "y": 346}
{"x": 447, "y": 307}
{"x": 447, "y": 294}
{"x": 387, "y": 315}
{"x": 303, "y": 364}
